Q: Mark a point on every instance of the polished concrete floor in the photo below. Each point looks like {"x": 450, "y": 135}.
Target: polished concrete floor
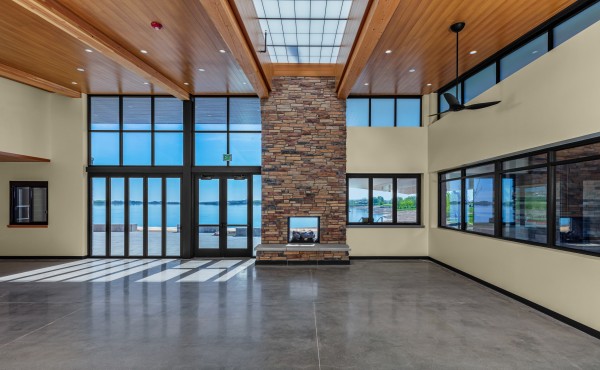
{"x": 369, "y": 315}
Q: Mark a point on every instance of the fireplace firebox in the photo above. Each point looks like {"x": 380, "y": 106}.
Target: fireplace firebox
{"x": 304, "y": 229}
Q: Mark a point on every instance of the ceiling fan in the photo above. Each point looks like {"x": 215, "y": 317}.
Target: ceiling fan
{"x": 453, "y": 102}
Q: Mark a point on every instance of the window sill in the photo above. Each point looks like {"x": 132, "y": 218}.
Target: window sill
{"x": 385, "y": 226}
{"x": 27, "y": 226}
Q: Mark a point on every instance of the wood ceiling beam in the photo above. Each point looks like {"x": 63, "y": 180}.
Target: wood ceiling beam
{"x": 223, "y": 17}
{"x": 35, "y": 81}
{"x": 64, "y": 19}
{"x": 378, "y": 17}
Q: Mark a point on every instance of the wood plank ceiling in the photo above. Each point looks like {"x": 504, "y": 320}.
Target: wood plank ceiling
{"x": 419, "y": 37}
{"x": 417, "y": 34}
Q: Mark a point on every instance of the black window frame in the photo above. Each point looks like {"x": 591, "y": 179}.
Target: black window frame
{"x": 396, "y": 98}
{"x": 546, "y": 27}
{"x": 13, "y": 201}
{"x": 417, "y": 176}
{"x": 550, "y": 166}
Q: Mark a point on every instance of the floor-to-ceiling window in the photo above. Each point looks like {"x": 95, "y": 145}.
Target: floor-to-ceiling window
{"x": 146, "y": 155}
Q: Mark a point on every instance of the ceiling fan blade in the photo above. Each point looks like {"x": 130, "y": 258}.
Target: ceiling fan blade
{"x": 481, "y": 105}
{"x": 438, "y": 114}
{"x": 452, "y": 101}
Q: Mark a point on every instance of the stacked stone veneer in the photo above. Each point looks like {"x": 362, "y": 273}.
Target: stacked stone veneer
{"x": 303, "y": 157}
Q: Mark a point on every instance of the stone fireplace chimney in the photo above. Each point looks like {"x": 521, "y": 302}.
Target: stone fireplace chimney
{"x": 304, "y": 157}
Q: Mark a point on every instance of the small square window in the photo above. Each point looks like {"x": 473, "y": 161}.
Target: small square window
{"x": 29, "y": 203}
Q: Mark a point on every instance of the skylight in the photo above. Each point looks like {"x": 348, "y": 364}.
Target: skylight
{"x": 303, "y": 31}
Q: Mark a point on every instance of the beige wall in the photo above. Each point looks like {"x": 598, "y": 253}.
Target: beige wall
{"x": 392, "y": 150}
{"x": 551, "y": 100}
{"x": 53, "y": 127}
{"x": 23, "y": 119}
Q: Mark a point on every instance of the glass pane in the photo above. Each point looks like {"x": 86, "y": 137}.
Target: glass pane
{"x": 136, "y": 216}
{"x": 137, "y": 149}
{"x": 208, "y": 213}
{"x": 137, "y": 113}
{"x": 578, "y": 152}
{"x": 237, "y": 202}
{"x": 173, "y": 215}
{"x": 408, "y": 112}
{"x": 211, "y": 114}
{"x": 23, "y": 206}
{"x": 486, "y": 168}
{"x": 303, "y": 229}
{"x": 451, "y": 175}
{"x": 382, "y": 112}
{"x": 357, "y": 112}
{"x": 576, "y": 24}
{"x": 578, "y": 206}
{"x": 237, "y": 237}
{"x": 104, "y": 113}
{"x": 382, "y": 200}
{"x": 210, "y": 149}
{"x": 256, "y": 211}
{"x": 168, "y": 114}
{"x": 524, "y": 205}
{"x": 117, "y": 217}
{"x": 98, "y": 216}
{"x": 40, "y": 205}
{"x": 480, "y": 82}
{"x": 452, "y": 90}
{"x": 479, "y": 204}
{"x": 525, "y": 161}
{"x": 155, "y": 222}
{"x": 245, "y": 149}
{"x": 450, "y": 198}
{"x": 358, "y": 200}
{"x": 406, "y": 197}
{"x": 244, "y": 114}
{"x": 523, "y": 56}
{"x": 168, "y": 149}
{"x": 105, "y": 148}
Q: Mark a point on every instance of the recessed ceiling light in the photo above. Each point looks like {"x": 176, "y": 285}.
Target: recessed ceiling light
{"x": 146, "y": 83}
{"x": 201, "y": 69}
{"x": 534, "y": 52}
{"x": 366, "y": 84}
{"x": 222, "y": 51}
{"x": 473, "y": 52}
{"x": 428, "y": 84}
{"x": 89, "y": 50}
{"x": 144, "y": 51}
{"x": 245, "y": 83}
{"x": 81, "y": 69}
{"x": 186, "y": 83}
{"x": 388, "y": 51}
{"x": 412, "y": 70}
{"x": 74, "y": 83}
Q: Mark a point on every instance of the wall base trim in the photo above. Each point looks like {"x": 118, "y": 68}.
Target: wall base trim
{"x": 562, "y": 318}
{"x": 43, "y": 257}
{"x": 389, "y": 258}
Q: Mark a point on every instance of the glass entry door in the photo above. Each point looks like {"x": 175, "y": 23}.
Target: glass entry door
{"x": 223, "y": 211}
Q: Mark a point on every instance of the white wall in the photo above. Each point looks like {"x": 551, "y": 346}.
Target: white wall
{"x": 393, "y": 150}
{"x": 551, "y": 100}
{"x": 50, "y": 126}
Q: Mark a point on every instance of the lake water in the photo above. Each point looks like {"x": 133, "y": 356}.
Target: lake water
{"x": 237, "y": 214}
